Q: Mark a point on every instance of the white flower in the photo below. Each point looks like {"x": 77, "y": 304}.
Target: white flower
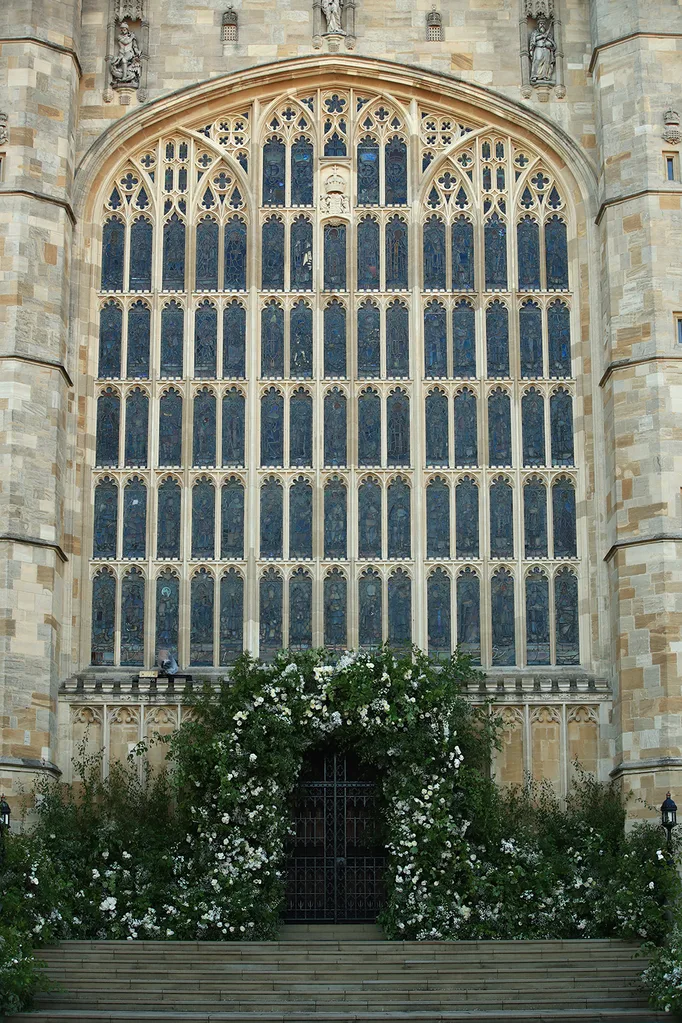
{"x": 126, "y": 856}
{"x": 95, "y": 874}
{"x": 108, "y": 905}
{"x": 253, "y": 757}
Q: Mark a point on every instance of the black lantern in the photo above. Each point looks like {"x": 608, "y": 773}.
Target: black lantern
{"x": 668, "y": 816}
{"x": 5, "y": 813}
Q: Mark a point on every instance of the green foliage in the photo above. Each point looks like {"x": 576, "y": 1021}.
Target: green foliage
{"x": 663, "y": 976}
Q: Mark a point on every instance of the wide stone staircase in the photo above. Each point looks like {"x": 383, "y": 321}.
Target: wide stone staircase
{"x": 337, "y": 975}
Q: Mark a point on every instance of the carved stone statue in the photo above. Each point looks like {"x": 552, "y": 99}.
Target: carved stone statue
{"x": 332, "y": 12}
{"x": 542, "y": 53}
{"x": 126, "y": 66}
{"x": 4, "y": 130}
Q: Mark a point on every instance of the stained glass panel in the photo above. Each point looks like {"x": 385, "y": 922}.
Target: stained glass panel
{"x": 396, "y": 254}
{"x": 533, "y": 427}
{"x": 497, "y": 339}
{"x": 234, "y": 340}
{"x": 434, "y": 254}
{"x": 463, "y": 340}
{"x": 501, "y": 520}
{"x": 563, "y": 514}
{"x": 233, "y": 427}
{"x": 559, "y": 336}
{"x": 368, "y": 255}
{"x": 528, "y": 254}
{"x": 495, "y": 233}
{"x": 369, "y": 340}
{"x": 335, "y": 428}
{"x": 397, "y": 340}
{"x": 232, "y": 520}
{"x": 369, "y": 519}
{"x": 437, "y": 445}
{"x": 302, "y": 169}
{"x": 170, "y": 428}
{"x": 537, "y": 617}
{"x": 334, "y": 257}
{"x": 561, "y": 426}
{"x": 469, "y": 615}
{"x": 201, "y": 619}
{"x": 274, "y": 172}
{"x": 105, "y": 519}
{"x": 272, "y": 340}
{"x": 103, "y": 627}
{"x": 174, "y": 254}
{"x": 395, "y": 166}
{"x": 300, "y": 611}
{"x": 172, "y": 335}
{"x": 369, "y": 428}
{"x": 466, "y": 519}
{"x": 272, "y": 428}
{"x": 335, "y": 517}
{"x": 132, "y": 617}
{"x": 204, "y": 428}
{"x": 435, "y": 340}
{"x": 566, "y": 617}
{"x": 113, "y": 244}
{"x": 110, "y": 328}
{"x": 270, "y": 592}
{"x": 535, "y": 519}
{"x": 205, "y": 340}
{"x": 335, "y": 340}
{"x": 167, "y": 615}
{"x": 438, "y": 519}
{"x": 398, "y": 428}
{"x": 137, "y": 428}
{"x": 139, "y": 319}
{"x": 231, "y": 616}
{"x": 369, "y": 594}
{"x": 272, "y": 255}
{"x": 168, "y": 520}
{"x": 400, "y": 609}
{"x": 271, "y": 519}
{"x": 530, "y": 339}
{"x": 502, "y": 617}
{"x": 439, "y": 613}
{"x": 499, "y": 428}
{"x": 556, "y": 254}
{"x": 300, "y": 429}
{"x": 301, "y": 341}
{"x": 301, "y": 519}
{"x": 399, "y": 520}
{"x": 135, "y": 519}
{"x": 466, "y": 429}
{"x": 368, "y": 172}
{"x": 108, "y": 425}
{"x": 335, "y": 609}
{"x": 462, "y": 255}
{"x": 301, "y": 263}
{"x": 234, "y": 271}
{"x": 203, "y": 520}
{"x": 206, "y": 270}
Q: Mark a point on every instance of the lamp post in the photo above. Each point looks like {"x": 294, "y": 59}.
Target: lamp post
{"x": 5, "y": 817}
{"x": 668, "y": 817}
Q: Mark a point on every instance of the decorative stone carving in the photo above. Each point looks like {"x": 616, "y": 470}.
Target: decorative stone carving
{"x": 332, "y": 12}
{"x": 230, "y": 26}
{"x": 671, "y": 132}
{"x": 335, "y": 202}
{"x": 126, "y": 65}
{"x": 541, "y": 50}
{"x": 583, "y": 715}
{"x": 542, "y": 53}
{"x": 434, "y": 26}
{"x": 129, "y": 10}
{"x": 4, "y": 130}
{"x": 545, "y": 716}
{"x": 539, "y": 8}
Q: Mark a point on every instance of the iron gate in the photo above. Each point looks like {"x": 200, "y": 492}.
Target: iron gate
{"x": 335, "y": 866}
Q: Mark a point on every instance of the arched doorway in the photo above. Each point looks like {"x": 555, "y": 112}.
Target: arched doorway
{"x": 335, "y": 861}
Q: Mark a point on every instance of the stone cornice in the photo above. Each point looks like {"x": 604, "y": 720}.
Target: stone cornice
{"x": 638, "y": 541}
{"x": 35, "y": 361}
{"x": 644, "y": 766}
{"x": 33, "y": 541}
{"x": 619, "y": 364}
{"x": 30, "y": 764}
{"x": 42, "y": 197}
{"x": 617, "y": 200}
{"x": 57, "y": 47}
{"x": 625, "y": 39}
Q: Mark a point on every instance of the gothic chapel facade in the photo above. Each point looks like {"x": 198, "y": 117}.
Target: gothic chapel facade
{"x": 335, "y": 322}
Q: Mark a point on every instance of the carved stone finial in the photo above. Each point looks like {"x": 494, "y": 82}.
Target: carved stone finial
{"x": 230, "y": 24}
{"x": 671, "y": 132}
{"x": 4, "y": 130}
{"x": 126, "y": 66}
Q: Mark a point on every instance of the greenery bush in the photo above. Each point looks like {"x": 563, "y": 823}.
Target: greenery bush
{"x": 199, "y": 852}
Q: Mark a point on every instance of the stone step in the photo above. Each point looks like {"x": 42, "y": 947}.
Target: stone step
{"x": 619, "y": 1015}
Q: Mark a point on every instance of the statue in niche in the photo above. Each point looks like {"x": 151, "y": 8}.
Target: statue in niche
{"x": 542, "y": 52}
{"x": 332, "y": 13}
{"x": 126, "y": 66}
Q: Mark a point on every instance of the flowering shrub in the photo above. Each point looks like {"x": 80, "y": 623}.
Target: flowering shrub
{"x": 663, "y": 976}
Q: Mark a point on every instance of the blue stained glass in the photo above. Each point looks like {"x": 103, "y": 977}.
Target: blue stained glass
{"x": 495, "y": 233}
{"x": 201, "y": 619}
{"x": 537, "y": 617}
{"x": 108, "y": 424}
{"x": 270, "y": 594}
{"x": 499, "y": 428}
{"x": 435, "y": 340}
{"x": 439, "y": 613}
{"x": 272, "y": 340}
{"x": 167, "y": 615}
{"x": 234, "y": 340}
{"x": 396, "y": 254}
{"x": 168, "y": 520}
{"x": 334, "y": 257}
{"x": 466, "y": 429}
{"x": 463, "y": 340}
{"x": 301, "y": 519}
{"x": 566, "y": 617}
{"x": 369, "y": 594}
{"x": 232, "y": 520}
{"x": 466, "y": 519}
{"x": 335, "y": 145}
{"x": 271, "y": 519}
{"x": 170, "y": 428}
{"x": 369, "y": 519}
{"x": 274, "y": 172}
{"x": 502, "y": 616}
{"x": 272, "y": 428}
{"x": 203, "y": 519}
{"x": 301, "y": 269}
{"x": 137, "y": 428}
{"x": 501, "y": 520}
{"x": 231, "y": 616}
{"x": 103, "y": 628}
{"x": 335, "y": 340}
{"x": 533, "y": 427}
{"x": 233, "y": 427}
{"x": 398, "y": 428}
{"x": 335, "y": 610}
{"x": 106, "y": 519}
{"x": 369, "y": 340}
{"x": 559, "y": 338}
{"x": 497, "y": 339}
{"x": 302, "y": 169}
{"x": 132, "y": 617}
{"x": 535, "y": 519}
{"x": 301, "y": 341}
{"x": 300, "y": 429}
{"x": 462, "y": 255}
{"x": 368, "y": 172}
{"x": 300, "y": 611}
{"x": 206, "y": 273}
{"x": 434, "y": 254}
{"x": 469, "y": 615}
{"x": 561, "y": 426}
{"x": 397, "y": 340}
{"x": 395, "y": 167}
{"x": 368, "y": 255}
{"x": 272, "y": 255}
{"x": 437, "y": 519}
{"x": 141, "y": 255}
{"x": 528, "y": 250}
{"x": 135, "y": 519}
{"x": 174, "y": 254}
{"x": 204, "y": 428}
{"x": 563, "y": 514}
{"x": 400, "y": 609}
{"x": 530, "y": 339}
{"x": 234, "y": 271}
{"x": 139, "y": 320}
{"x": 556, "y": 254}
{"x": 113, "y": 244}
{"x": 335, "y": 520}
{"x": 399, "y": 520}
{"x": 172, "y": 335}
{"x": 110, "y": 327}
{"x": 437, "y": 443}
